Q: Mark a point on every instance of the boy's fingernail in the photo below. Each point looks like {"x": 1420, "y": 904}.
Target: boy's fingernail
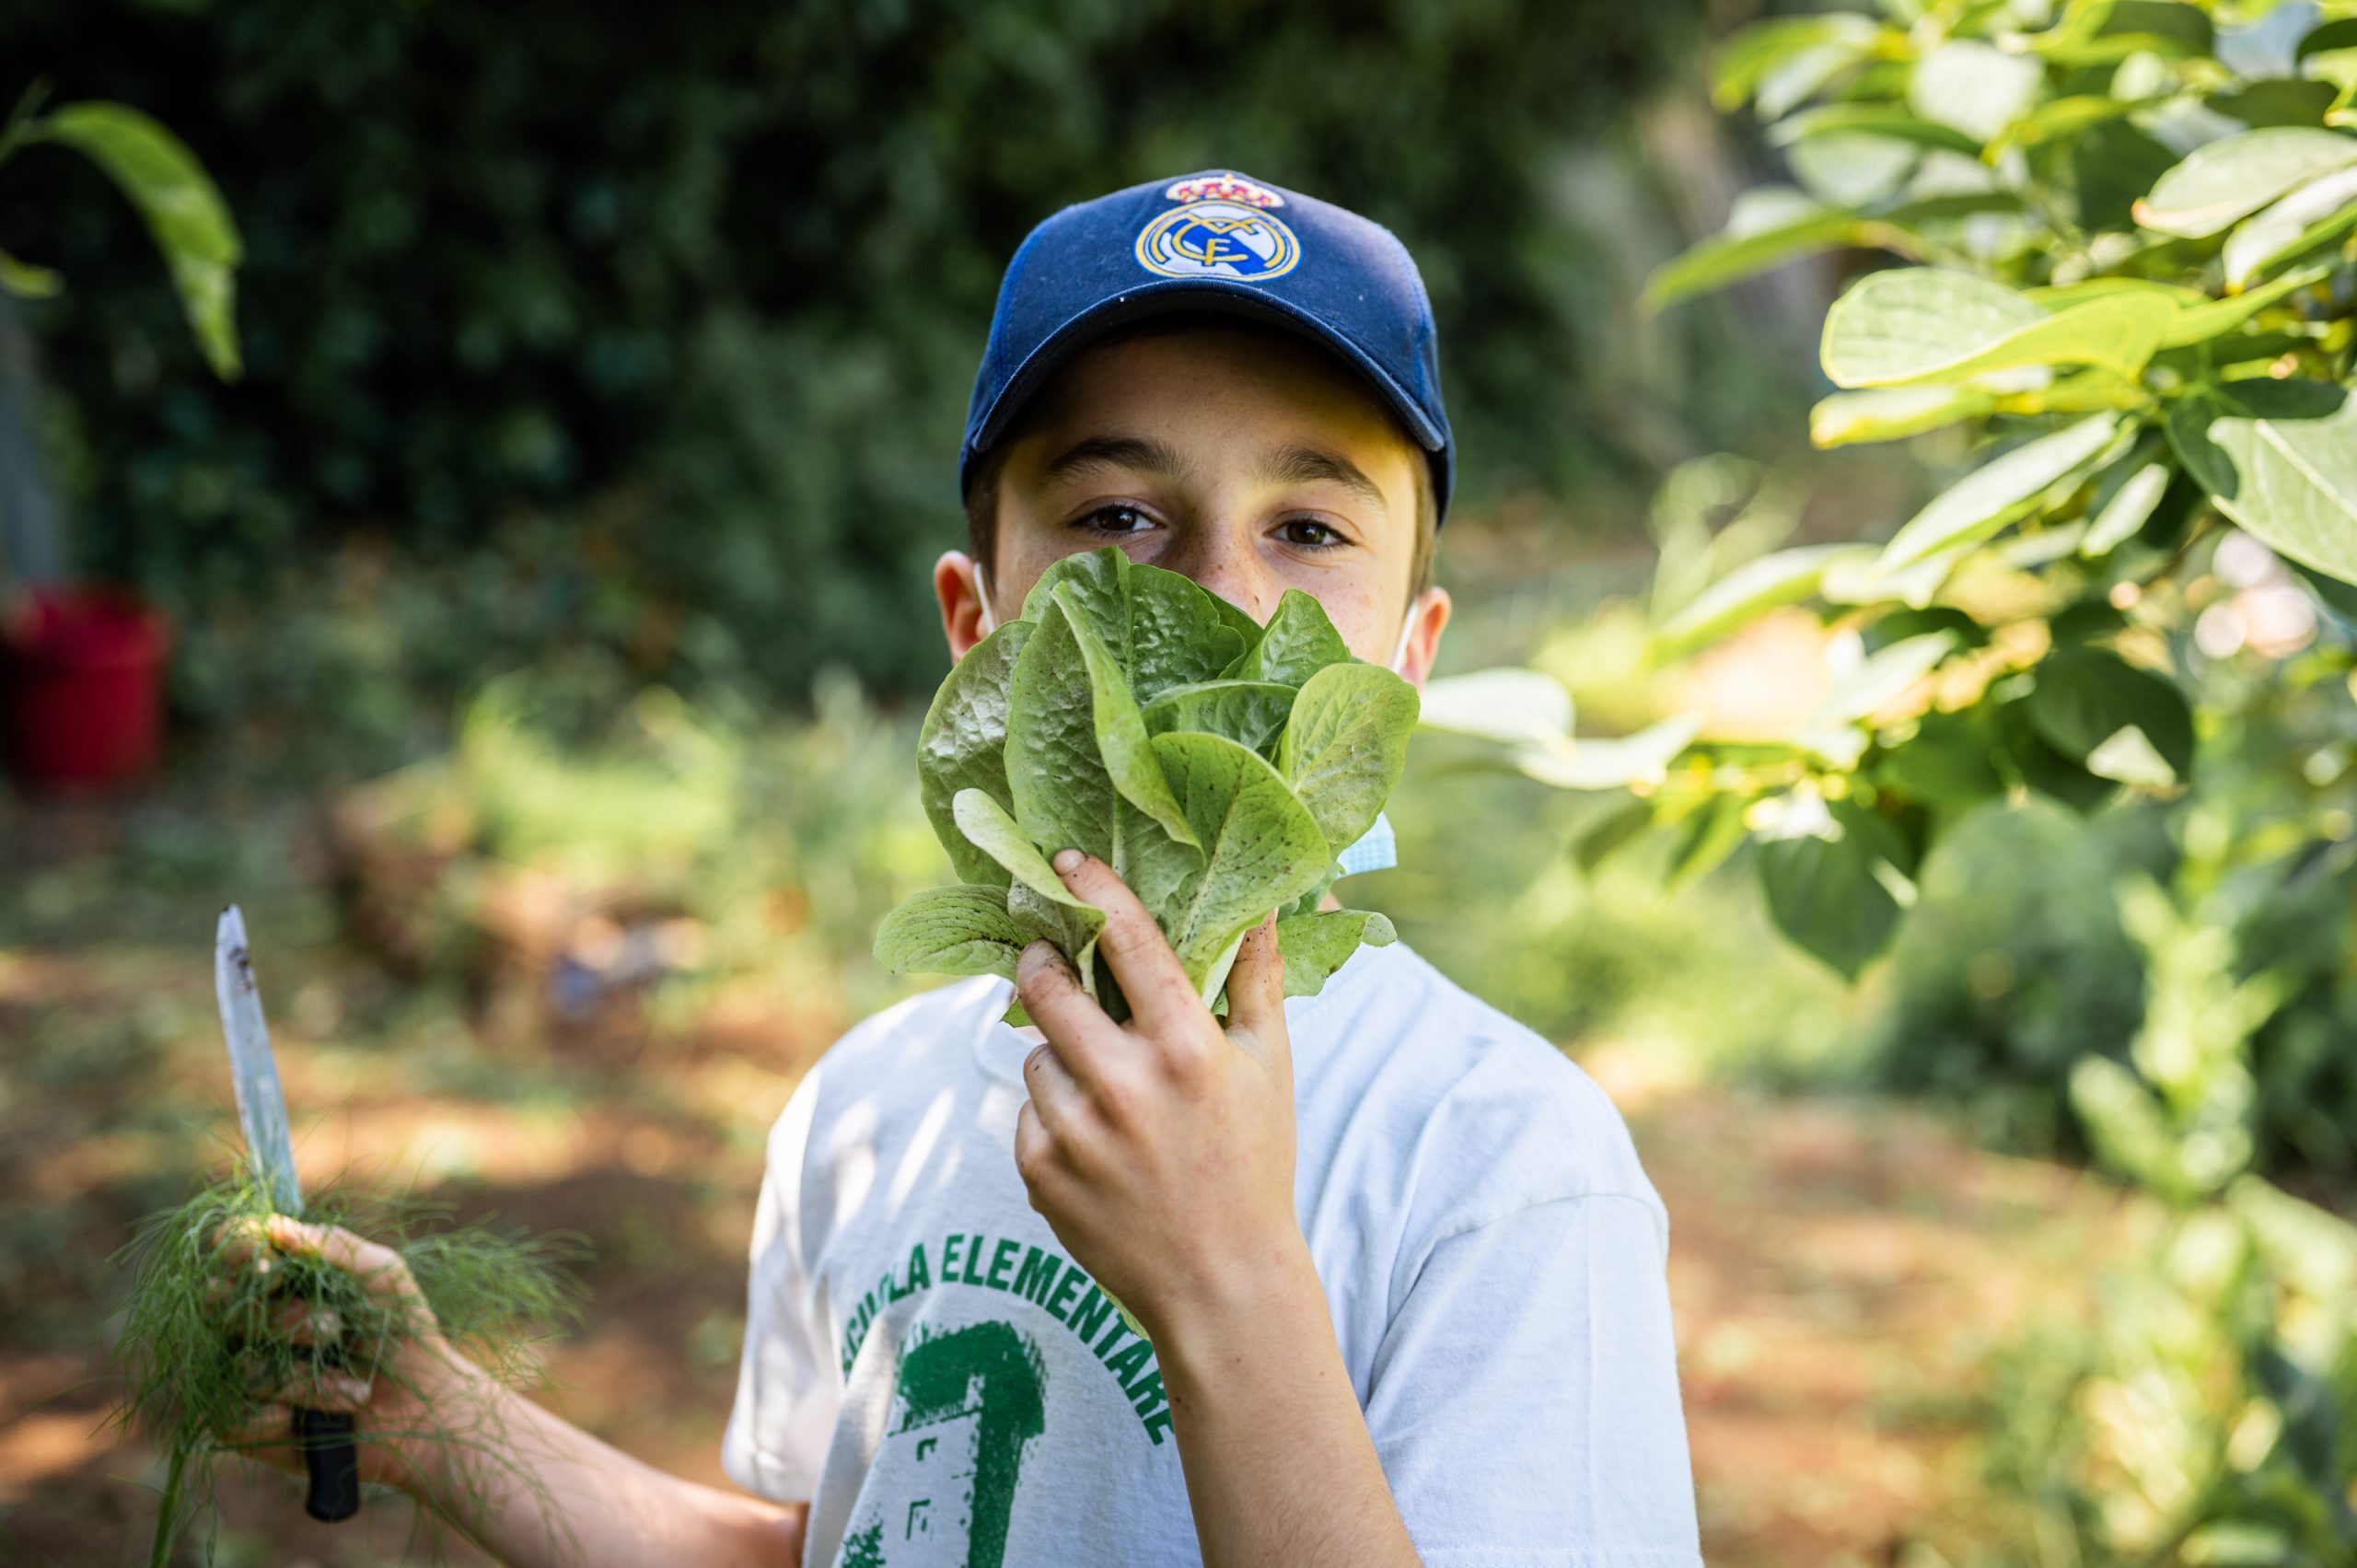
{"x": 1066, "y": 862}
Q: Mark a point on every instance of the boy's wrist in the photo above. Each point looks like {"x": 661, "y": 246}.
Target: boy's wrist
{"x": 1266, "y": 1297}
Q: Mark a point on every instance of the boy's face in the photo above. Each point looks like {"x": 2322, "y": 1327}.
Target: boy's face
{"x": 1253, "y": 462}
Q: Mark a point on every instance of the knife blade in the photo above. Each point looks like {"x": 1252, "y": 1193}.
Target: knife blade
{"x": 330, "y": 1458}
{"x": 253, "y": 1071}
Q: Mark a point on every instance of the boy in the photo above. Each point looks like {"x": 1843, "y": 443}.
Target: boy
{"x": 1398, "y": 1270}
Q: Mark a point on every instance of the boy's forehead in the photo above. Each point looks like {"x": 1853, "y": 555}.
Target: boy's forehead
{"x": 1276, "y": 383}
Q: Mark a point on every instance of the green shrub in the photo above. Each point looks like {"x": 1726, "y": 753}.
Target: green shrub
{"x": 728, "y": 274}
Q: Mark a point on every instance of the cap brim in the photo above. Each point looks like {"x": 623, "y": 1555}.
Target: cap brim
{"x": 1212, "y": 294}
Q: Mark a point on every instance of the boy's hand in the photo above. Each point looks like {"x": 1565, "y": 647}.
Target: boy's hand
{"x": 1161, "y": 1151}
{"x": 400, "y": 1405}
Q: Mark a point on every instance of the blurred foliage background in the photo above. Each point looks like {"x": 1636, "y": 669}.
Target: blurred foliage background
{"x": 645, "y": 348}
{"x": 551, "y": 633}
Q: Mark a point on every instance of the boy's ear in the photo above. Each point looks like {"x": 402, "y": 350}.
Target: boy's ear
{"x": 1427, "y": 619}
{"x": 957, "y": 583}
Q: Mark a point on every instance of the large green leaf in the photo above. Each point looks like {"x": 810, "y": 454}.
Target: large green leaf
{"x": 963, "y": 744}
{"x": 1297, "y": 643}
{"x": 2142, "y": 479}
{"x": 1887, "y": 413}
{"x": 1751, "y": 590}
{"x": 1803, "y": 47}
{"x": 1829, "y": 889}
{"x": 1344, "y": 747}
{"x": 1807, "y": 228}
{"x": 1037, "y": 898}
{"x": 1511, "y": 705}
{"x": 963, "y": 929}
{"x": 1263, "y": 851}
{"x": 2200, "y": 323}
{"x": 1250, "y": 713}
{"x": 183, "y": 210}
{"x": 2279, "y": 457}
{"x": 26, "y": 281}
{"x": 1316, "y": 944}
{"x": 1872, "y": 120}
{"x": 1994, "y": 494}
{"x": 1122, "y": 742}
{"x": 1162, "y": 629}
{"x": 1976, "y": 87}
{"x": 2226, "y": 181}
{"x": 1615, "y": 763}
{"x": 1950, "y": 760}
{"x": 1918, "y": 324}
{"x": 2314, "y": 214}
{"x": 986, "y": 823}
{"x": 2109, "y": 30}
{"x": 2087, "y": 697}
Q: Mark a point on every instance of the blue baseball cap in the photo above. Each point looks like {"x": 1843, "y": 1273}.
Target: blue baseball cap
{"x": 1215, "y": 242}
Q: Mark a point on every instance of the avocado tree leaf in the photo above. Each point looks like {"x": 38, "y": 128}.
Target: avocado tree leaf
{"x": 1830, "y": 891}
{"x": 1508, "y": 704}
{"x": 2200, "y": 323}
{"x": 963, "y": 744}
{"x": 963, "y": 929}
{"x": 1973, "y": 87}
{"x": 1904, "y": 323}
{"x": 1802, "y": 227}
{"x": 1615, "y": 762}
{"x": 1315, "y": 946}
{"x": 2277, "y": 100}
{"x": 1751, "y": 590}
{"x": 1250, "y": 713}
{"x": 2125, "y": 511}
{"x": 2222, "y": 182}
{"x": 2313, "y": 214}
{"x": 1916, "y": 324}
{"x": 1872, "y": 120}
{"x": 2280, "y": 459}
{"x": 1949, "y": 761}
{"x": 1815, "y": 46}
{"x": 183, "y": 210}
{"x": 26, "y": 281}
{"x": 1994, "y": 494}
{"x": 1345, "y": 746}
{"x": 1297, "y": 643}
{"x": 1887, "y": 413}
{"x": 1262, "y": 850}
{"x": 2085, "y": 697}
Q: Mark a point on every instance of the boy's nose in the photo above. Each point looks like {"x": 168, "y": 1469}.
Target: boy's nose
{"x": 1229, "y": 567}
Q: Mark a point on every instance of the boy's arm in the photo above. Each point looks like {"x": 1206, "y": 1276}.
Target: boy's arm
{"x": 1162, "y": 1154}
{"x": 525, "y": 1484}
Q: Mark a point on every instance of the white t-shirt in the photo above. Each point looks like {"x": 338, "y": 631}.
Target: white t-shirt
{"x": 926, "y": 1366}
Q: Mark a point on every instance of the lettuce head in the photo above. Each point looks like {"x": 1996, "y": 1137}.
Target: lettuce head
{"x": 1219, "y": 766}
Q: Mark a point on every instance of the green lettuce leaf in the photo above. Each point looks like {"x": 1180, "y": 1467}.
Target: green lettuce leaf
{"x": 1217, "y": 765}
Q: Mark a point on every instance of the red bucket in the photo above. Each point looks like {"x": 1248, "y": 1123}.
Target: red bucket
{"x": 84, "y": 683}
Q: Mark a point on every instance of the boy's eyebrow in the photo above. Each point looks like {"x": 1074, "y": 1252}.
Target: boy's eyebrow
{"x": 1286, "y": 465}
{"x": 1309, "y": 465}
{"x": 1138, "y": 454}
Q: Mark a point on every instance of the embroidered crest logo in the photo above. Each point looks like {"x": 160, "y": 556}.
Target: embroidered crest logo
{"x": 1225, "y": 226}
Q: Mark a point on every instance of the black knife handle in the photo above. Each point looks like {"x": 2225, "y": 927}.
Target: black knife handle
{"x": 331, "y": 1461}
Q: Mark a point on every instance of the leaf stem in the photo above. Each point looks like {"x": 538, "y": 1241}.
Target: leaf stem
{"x": 168, "y": 1530}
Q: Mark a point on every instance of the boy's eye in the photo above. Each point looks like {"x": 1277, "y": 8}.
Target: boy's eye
{"x": 1309, "y": 533}
{"x": 1117, "y": 521}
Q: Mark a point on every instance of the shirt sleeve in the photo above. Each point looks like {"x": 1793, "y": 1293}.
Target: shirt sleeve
{"x": 788, "y": 1388}
{"x": 1525, "y": 1404}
